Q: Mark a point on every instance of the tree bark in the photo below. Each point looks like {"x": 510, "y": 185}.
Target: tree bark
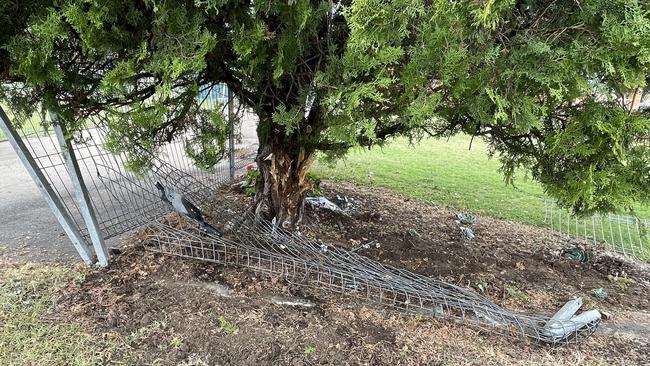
{"x": 282, "y": 184}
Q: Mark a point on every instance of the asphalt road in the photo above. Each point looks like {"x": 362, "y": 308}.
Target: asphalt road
{"x": 28, "y": 229}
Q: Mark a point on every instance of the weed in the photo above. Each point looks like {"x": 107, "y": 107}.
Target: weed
{"x": 176, "y": 342}
{"x": 517, "y": 294}
{"x": 599, "y": 293}
{"x": 227, "y": 327}
{"x": 483, "y": 286}
{"x": 144, "y": 332}
{"x": 621, "y": 282}
{"x": 309, "y": 350}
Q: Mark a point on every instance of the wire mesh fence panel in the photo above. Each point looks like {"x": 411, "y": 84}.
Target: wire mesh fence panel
{"x": 262, "y": 247}
{"x": 37, "y": 135}
{"x": 121, "y": 199}
{"x": 624, "y": 234}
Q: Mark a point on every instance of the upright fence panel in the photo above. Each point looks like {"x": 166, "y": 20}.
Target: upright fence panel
{"x": 95, "y": 195}
{"x": 627, "y": 235}
{"x": 52, "y": 195}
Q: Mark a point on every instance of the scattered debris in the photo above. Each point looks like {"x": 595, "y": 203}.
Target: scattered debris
{"x": 343, "y": 202}
{"x": 465, "y": 218}
{"x": 367, "y": 245}
{"x": 482, "y": 286}
{"x": 291, "y": 301}
{"x": 468, "y": 233}
{"x": 413, "y": 232}
{"x": 599, "y": 293}
{"x": 520, "y": 266}
{"x": 324, "y": 203}
{"x": 579, "y": 254}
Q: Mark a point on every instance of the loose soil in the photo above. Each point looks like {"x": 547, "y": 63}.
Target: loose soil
{"x": 173, "y": 311}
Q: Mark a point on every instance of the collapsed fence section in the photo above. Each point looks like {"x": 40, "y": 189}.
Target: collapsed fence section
{"x": 266, "y": 249}
{"x": 627, "y": 235}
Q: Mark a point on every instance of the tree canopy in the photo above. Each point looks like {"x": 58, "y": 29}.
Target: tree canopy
{"x": 549, "y": 84}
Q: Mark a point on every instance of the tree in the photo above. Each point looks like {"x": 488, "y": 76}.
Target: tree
{"x": 544, "y": 82}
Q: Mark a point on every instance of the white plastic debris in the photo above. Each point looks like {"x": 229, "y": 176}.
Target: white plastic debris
{"x": 344, "y": 202}
{"x": 467, "y": 233}
{"x": 465, "y": 218}
{"x": 564, "y": 324}
{"x": 291, "y": 301}
{"x": 324, "y": 203}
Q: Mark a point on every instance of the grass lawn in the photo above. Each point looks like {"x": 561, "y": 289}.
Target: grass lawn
{"x": 30, "y": 333}
{"x": 448, "y": 173}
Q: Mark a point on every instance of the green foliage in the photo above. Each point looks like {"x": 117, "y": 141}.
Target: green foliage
{"x": 315, "y": 181}
{"x": 227, "y": 327}
{"x": 250, "y": 180}
{"x": 546, "y": 84}
{"x": 515, "y": 293}
{"x": 599, "y": 293}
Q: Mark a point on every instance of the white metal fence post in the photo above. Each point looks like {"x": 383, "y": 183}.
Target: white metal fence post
{"x": 231, "y": 137}
{"x": 46, "y": 190}
{"x": 83, "y": 198}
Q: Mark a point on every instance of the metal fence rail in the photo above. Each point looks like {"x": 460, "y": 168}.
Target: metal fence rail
{"x": 627, "y": 235}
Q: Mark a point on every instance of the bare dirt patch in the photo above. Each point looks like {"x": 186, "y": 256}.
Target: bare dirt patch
{"x": 173, "y": 311}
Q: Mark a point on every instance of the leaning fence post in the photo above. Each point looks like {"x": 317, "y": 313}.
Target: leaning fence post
{"x": 85, "y": 205}
{"x": 46, "y": 190}
{"x": 231, "y": 136}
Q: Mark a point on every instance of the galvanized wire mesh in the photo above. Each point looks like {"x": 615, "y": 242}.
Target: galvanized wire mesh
{"x": 627, "y": 235}
{"x": 269, "y": 250}
{"x": 265, "y": 248}
{"x": 116, "y": 193}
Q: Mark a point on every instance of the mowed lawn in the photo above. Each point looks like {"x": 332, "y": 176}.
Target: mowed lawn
{"x": 446, "y": 172}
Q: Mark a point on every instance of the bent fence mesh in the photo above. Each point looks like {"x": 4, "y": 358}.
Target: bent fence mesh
{"x": 124, "y": 201}
{"x": 627, "y": 235}
{"x": 265, "y": 248}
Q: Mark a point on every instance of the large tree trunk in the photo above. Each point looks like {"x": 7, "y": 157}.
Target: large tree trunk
{"x": 282, "y": 184}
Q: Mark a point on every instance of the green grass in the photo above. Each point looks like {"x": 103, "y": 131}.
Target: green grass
{"x": 447, "y": 173}
{"x": 29, "y": 331}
